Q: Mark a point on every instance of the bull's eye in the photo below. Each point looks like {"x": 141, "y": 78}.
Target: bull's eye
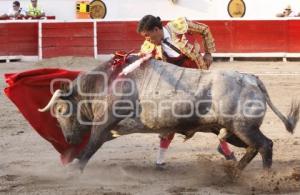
{"x": 62, "y": 109}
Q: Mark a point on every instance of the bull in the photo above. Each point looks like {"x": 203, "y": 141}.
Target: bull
{"x": 162, "y": 98}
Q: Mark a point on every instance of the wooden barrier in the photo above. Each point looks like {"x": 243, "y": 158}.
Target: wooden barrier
{"x": 258, "y": 36}
{"x": 18, "y": 39}
{"x": 231, "y": 36}
{"x": 293, "y": 36}
{"x": 89, "y": 38}
{"x": 113, "y": 36}
{"x": 67, "y": 39}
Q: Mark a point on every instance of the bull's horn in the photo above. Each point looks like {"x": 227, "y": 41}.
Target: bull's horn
{"x": 55, "y": 96}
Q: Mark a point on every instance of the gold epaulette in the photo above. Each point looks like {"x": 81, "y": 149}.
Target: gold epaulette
{"x": 179, "y": 26}
{"x": 147, "y": 47}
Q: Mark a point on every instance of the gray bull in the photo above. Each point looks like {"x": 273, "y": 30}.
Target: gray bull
{"x": 163, "y": 98}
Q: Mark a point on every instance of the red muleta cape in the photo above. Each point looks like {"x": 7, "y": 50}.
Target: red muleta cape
{"x": 29, "y": 91}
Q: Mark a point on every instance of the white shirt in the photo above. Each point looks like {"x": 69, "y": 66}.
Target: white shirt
{"x": 12, "y": 12}
{"x": 170, "y": 52}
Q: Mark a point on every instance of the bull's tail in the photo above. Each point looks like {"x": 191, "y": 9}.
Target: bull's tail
{"x": 292, "y": 118}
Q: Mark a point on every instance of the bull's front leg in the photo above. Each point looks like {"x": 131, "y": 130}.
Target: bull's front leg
{"x": 100, "y": 133}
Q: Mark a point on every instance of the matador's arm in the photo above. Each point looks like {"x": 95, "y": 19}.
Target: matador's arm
{"x": 208, "y": 40}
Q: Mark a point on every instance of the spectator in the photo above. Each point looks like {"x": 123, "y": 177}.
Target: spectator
{"x": 287, "y": 12}
{"x": 35, "y": 11}
{"x": 16, "y": 12}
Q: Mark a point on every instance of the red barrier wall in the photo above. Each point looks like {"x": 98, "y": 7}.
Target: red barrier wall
{"x": 18, "y": 39}
{"x": 113, "y": 36}
{"x": 251, "y": 36}
{"x": 237, "y": 36}
{"x": 77, "y": 38}
{"x": 258, "y": 36}
{"x": 67, "y": 39}
{"x": 293, "y": 36}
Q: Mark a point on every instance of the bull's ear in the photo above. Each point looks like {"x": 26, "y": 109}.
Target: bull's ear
{"x": 65, "y": 87}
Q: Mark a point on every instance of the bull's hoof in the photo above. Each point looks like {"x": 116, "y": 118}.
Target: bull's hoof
{"x": 76, "y": 166}
{"x": 235, "y": 174}
{"x": 73, "y": 170}
{"x": 232, "y": 171}
{"x": 160, "y": 166}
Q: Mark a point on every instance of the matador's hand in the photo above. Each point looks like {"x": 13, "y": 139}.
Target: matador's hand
{"x": 207, "y": 59}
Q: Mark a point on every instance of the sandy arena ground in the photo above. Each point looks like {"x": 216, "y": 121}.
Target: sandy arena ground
{"x": 30, "y": 165}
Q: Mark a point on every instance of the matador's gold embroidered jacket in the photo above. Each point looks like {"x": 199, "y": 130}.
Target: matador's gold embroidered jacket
{"x": 182, "y": 35}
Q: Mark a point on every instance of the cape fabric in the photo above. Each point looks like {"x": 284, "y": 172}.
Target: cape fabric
{"x": 29, "y": 91}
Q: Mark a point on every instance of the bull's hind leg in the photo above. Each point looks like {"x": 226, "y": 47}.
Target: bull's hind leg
{"x": 250, "y": 154}
{"x": 246, "y": 159}
{"x": 257, "y": 142}
{"x": 266, "y": 152}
